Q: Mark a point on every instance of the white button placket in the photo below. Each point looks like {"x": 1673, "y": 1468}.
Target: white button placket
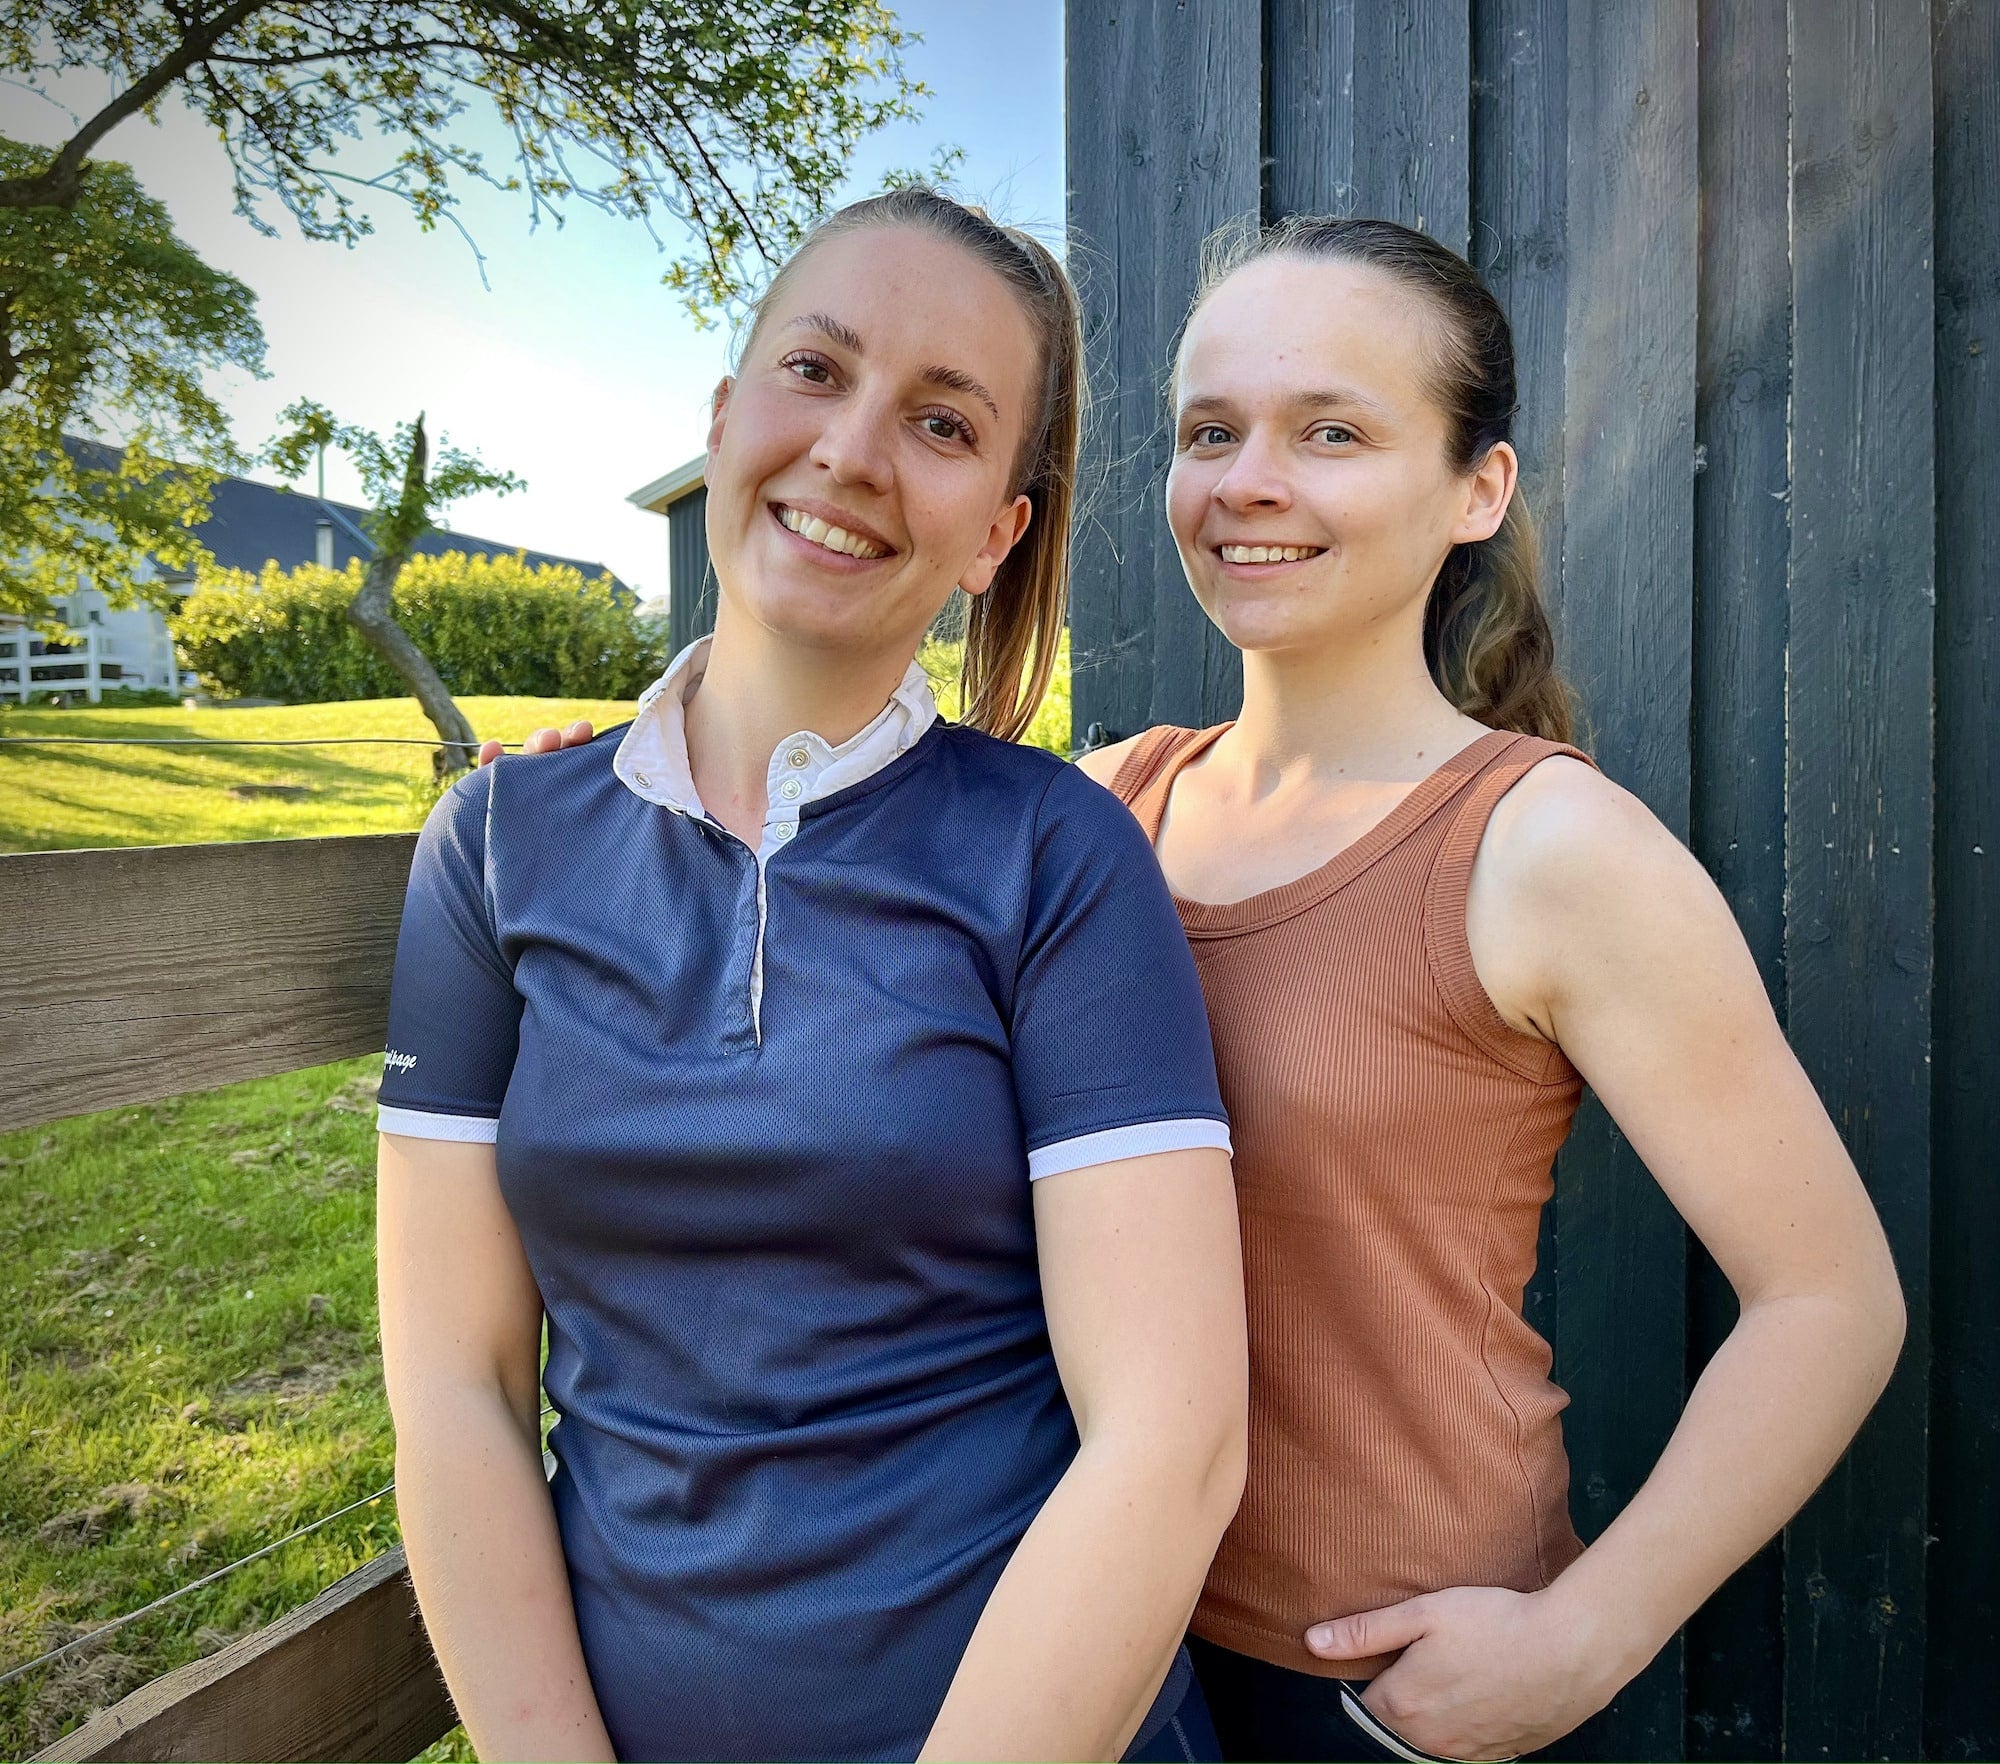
{"x": 788, "y": 786}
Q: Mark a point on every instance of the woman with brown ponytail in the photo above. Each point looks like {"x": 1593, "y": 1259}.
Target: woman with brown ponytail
{"x": 1422, "y": 922}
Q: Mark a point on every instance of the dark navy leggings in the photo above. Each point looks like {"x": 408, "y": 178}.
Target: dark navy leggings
{"x": 1187, "y": 1738}
{"x": 1272, "y": 1713}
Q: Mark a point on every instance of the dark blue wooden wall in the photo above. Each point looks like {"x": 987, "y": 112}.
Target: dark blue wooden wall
{"x": 690, "y": 581}
{"x": 1751, "y": 251}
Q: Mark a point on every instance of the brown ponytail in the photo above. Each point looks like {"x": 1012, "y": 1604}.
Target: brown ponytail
{"x": 1487, "y": 636}
{"x": 1012, "y": 631}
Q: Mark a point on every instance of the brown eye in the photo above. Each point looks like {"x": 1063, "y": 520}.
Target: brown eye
{"x": 810, "y": 369}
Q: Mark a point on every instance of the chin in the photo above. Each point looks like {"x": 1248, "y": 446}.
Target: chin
{"x": 815, "y": 615}
{"x": 1254, "y": 622}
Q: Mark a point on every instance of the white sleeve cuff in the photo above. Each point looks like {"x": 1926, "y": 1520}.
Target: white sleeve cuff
{"x": 420, "y": 1124}
{"x": 1126, "y": 1142}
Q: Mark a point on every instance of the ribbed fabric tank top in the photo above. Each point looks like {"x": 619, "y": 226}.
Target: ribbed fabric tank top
{"x": 1394, "y": 1137}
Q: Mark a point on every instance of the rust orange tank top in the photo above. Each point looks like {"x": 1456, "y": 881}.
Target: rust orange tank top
{"x": 1394, "y": 1136}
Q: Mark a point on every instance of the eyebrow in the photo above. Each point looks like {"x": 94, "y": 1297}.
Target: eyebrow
{"x": 955, "y": 379}
{"x": 959, "y": 381}
{"x": 1314, "y": 398}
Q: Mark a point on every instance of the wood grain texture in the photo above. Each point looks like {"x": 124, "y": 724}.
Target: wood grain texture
{"x": 1858, "y": 945}
{"x": 134, "y": 974}
{"x": 1625, "y": 615}
{"x": 1520, "y": 196}
{"x": 1368, "y": 111}
{"x": 1735, "y": 1663}
{"x": 1164, "y": 139}
{"x": 690, "y": 582}
{"x": 1962, "y": 1684}
{"x": 348, "y": 1676}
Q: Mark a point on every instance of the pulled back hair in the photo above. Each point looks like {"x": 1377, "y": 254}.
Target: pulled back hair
{"x": 1487, "y": 638}
{"x": 1012, "y": 630}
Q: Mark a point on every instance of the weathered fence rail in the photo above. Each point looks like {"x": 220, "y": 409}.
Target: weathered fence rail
{"x": 188, "y": 967}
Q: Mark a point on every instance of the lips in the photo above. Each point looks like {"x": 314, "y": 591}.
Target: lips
{"x": 829, "y": 535}
{"x": 1256, "y": 554}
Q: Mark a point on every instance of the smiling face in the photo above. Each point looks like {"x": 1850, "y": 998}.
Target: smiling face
{"x": 861, "y": 463}
{"x": 1310, "y": 495}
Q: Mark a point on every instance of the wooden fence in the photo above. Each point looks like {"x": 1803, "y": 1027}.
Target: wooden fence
{"x": 294, "y": 941}
{"x": 1751, "y": 251}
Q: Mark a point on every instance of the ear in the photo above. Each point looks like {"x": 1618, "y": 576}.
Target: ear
{"x": 1005, "y": 533}
{"x": 718, "y": 405}
{"x": 1488, "y": 491}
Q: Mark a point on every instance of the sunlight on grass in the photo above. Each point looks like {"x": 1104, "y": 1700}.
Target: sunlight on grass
{"x": 192, "y": 1369}
{"x": 60, "y": 798}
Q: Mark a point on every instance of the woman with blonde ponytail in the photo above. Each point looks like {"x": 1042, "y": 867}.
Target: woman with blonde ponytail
{"x": 835, "y": 1082}
{"x": 1422, "y": 922}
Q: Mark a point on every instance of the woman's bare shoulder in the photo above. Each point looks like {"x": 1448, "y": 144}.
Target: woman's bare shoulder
{"x": 1102, "y": 763}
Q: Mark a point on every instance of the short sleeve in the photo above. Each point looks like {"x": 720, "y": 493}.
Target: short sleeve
{"x": 1111, "y": 1048}
{"x": 454, "y": 1016}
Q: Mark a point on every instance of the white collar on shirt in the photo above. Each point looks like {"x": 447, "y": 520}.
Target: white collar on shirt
{"x": 652, "y": 759}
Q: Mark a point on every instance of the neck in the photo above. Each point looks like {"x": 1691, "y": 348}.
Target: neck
{"x": 1366, "y": 707}
{"x": 756, "y": 690}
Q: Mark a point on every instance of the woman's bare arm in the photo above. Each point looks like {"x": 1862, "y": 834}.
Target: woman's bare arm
{"x": 1592, "y": 926}
{"x": 1142, "y": 1279}
{"x": 461, "y": 1346}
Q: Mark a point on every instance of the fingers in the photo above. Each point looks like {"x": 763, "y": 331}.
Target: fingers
{"x": 1366, "y": 1633}
{"x": 542, "y": 741}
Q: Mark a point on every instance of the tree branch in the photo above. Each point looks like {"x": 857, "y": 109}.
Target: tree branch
{"x": 60, "y": 184}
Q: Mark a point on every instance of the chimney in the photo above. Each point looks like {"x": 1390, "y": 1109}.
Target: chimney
{"x": 323, "y": 545}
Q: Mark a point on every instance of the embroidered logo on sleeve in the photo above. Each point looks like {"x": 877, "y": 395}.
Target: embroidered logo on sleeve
{"x": 400, "y": 1062}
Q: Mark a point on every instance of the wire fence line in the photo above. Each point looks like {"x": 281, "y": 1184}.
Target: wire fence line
{"x": 180, "y": 1592}
{"x": 113, "y": 1625}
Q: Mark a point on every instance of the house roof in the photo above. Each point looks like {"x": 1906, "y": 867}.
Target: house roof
{"x": 662, "y": 493}
{"x": 250, "y": 524}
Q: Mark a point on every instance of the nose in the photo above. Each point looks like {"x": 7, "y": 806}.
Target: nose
{"x": 1255, "y": 479}
{"x": 855, "y": 442}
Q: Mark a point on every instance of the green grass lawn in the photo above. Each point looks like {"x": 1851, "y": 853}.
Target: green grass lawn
{"x": 191, "y": 1370}
{"x": 61, "y": 798}
{"x": 189, "y": 1357}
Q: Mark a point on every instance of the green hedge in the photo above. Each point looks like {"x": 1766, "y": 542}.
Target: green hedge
{"x": 490, "y": 625}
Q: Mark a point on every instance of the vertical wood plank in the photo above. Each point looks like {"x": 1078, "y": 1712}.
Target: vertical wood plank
{"x": 1858, "y": 942}
{"x": 1742, "y": 536}
{"x": 1625, "y": 612}
{"x": 1962, "y": 1684}
{"x": 1369, "y": 108}
{"x": 1164, "y": 138}
{"x": 1520, "y": 195}
{"x": 1520, "y": 192}
{"x": 690, "y": 586}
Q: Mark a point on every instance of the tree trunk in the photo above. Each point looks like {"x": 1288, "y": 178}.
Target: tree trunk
{"x": 370, "y": 612}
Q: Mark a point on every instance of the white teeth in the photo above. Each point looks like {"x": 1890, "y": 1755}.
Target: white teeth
{"x": 832, "y": 538}
{"x": 1256, "y": 554}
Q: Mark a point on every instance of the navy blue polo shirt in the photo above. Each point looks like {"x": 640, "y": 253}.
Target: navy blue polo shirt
{"x": 783, "y": 1232}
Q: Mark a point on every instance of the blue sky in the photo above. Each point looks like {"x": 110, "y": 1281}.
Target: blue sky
{"x": 576, "y": 369}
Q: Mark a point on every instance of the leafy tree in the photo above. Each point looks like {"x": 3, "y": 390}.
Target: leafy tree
{"x": 101, "y": 305}
{"x": 736, "y": 120}
{"x": 410, "y": 490}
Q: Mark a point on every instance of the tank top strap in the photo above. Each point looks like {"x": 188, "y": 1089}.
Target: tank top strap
{"x": 1145, "y": 778}
{"x": 1445, "y": 942}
